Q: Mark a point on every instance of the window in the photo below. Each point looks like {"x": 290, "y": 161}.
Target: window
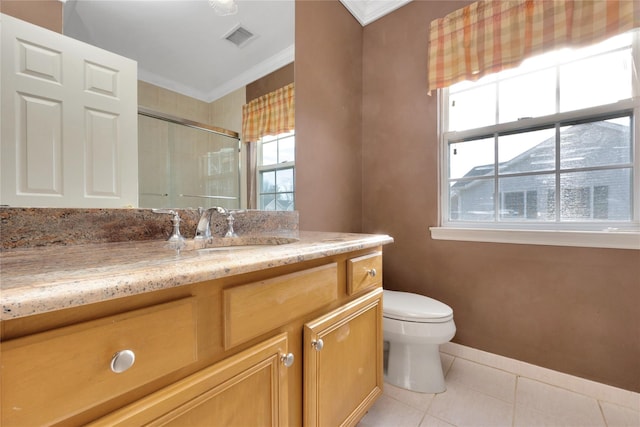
{"x": 546, "y": 146}
{"x": 275, "y": 172}
{"x": 519, "y": 204}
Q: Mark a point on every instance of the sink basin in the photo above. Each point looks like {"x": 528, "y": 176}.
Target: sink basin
{"x": 232, "y": 244}
{"x": 230, "y": 248}
{"x": 235, "y": 244}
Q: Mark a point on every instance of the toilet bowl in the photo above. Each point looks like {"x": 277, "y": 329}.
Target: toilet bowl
{"x": 414, "y": 326}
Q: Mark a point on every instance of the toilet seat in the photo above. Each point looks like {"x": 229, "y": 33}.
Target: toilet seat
{"x": 410, "y": 307}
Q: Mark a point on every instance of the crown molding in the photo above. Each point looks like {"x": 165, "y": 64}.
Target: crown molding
{"x": 367, "y": 11}
{"x": 279, "y": 60}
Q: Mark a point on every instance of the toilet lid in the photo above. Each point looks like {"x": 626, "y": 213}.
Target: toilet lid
{"x": 414, "y": 308}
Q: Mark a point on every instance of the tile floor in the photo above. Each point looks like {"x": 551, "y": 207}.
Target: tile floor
{"x": 481, "y": 395}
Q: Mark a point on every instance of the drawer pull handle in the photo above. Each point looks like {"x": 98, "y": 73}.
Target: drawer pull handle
{"x": 372, "y": 272}
{"x": 317, "y": 344}
{"x": 287, "y": 360}
{"x": 122, "y": 360}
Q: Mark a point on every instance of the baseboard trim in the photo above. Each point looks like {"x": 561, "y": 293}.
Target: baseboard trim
{"x": 579, "y": 385}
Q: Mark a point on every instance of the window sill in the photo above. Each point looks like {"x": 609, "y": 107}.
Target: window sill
{"x": 589, "y": 239}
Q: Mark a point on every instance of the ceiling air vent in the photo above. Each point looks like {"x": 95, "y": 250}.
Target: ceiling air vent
{"x": 239, "y": 36}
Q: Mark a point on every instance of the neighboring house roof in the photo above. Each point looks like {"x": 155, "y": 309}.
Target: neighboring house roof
{"x": 585, "y": 144}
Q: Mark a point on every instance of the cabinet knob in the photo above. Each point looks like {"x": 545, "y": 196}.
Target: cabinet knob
{"x": 317, "y": 344}
{"x": 122, "y": 360}
{"x": 372, "y": 272}
{"x": 287, "y": 359}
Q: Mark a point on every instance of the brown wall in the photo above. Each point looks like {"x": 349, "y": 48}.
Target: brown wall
{"x": 367, "y": 161}
{"x": 574, "y": 310}
{"x": 272, "y": 81}
{"x": 328, "y": 70}
{"x": 45, "y": 13}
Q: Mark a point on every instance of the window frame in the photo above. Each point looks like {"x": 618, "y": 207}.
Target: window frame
{"x": 606, "y": 234}
{"x": 260, "y": 168}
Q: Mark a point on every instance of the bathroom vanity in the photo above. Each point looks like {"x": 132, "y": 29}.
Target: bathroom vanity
{"x": 135, "y": 333}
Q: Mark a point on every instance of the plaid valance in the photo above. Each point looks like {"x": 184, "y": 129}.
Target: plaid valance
{"x": 270, "y": 114}
{"x": 492, "y": 35}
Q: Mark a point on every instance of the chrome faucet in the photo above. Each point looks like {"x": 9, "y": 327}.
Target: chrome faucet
{"x": 203, "y": 231}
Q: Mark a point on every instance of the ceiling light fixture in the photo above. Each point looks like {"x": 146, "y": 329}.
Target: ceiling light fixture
{"x": 224, "y": 7}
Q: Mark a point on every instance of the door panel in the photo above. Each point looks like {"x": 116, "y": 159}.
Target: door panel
{"x": 343, "y": 374}
{"x": 69, "y": 121}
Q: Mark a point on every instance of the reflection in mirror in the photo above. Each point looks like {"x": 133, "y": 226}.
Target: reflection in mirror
{"x": 276, "y": 165}
{"x": 183, "y": 45}
{"x": 193, "y": 71}
{"x": 189, "y": 69}
{"x": 184, "y": 164}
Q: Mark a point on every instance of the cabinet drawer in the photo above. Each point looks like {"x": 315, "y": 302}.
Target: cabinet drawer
{"x": 247, "y": 389}
{"x": 53, "y": 375}
{"x": 364, "y": 272}
{"x": 255, "y": 308}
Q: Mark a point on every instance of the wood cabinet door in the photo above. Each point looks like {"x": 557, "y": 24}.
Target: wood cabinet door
{"x": 343, "y": 362}
{"x": 247, "y": 389}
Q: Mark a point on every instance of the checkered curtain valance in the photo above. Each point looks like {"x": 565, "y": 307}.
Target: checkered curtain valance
{"x": 493, "y": 35}
{"x": 269, "y": 114}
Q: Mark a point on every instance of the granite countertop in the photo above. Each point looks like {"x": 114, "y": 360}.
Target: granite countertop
{"x": 43, "y": 279}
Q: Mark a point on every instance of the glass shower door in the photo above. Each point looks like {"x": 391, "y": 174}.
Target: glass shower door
{"x": 182, "y": 166}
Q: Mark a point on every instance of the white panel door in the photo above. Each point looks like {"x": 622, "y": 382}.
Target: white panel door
{"x": 69, "y": 121}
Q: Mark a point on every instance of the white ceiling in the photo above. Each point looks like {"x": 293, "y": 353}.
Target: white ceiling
{"x": 180, "y": 44}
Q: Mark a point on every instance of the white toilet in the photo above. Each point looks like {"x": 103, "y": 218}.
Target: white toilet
{"x": 414, "y": 327}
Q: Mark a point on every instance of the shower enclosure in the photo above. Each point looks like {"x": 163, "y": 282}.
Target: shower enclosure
{"x": 184, "y": 164}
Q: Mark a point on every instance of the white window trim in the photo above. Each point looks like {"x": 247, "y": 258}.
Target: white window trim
{"x": 267, "y": 168}
{"x": 537, "y": 234}
{"x": 589, "y": 239}
{"x": 615, "y": 238}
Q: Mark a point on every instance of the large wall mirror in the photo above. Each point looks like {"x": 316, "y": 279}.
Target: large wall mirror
{"x": 194, "y": 59}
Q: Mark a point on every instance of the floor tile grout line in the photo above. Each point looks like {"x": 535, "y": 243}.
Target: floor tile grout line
{"x": 488, "y": 366}
{"x": 443, "y": 420}
{"x": 551, "y": 384}
{"x": 568, "y": 390}
{"x": 430, "y": 403}
{"x": 515, "y": 403}
{"x": 409, "y": 405}
{"x": 424, "y": 415}
{"x": 549, "y": 381}
{"x": 450, "y": 365}
{"x": 462, "y": 383}
{"x": 604, "y": 418}
{"x": 425, "y": 411}
{"x": 515, "y": 390}
{"x": 475, "y": 390}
